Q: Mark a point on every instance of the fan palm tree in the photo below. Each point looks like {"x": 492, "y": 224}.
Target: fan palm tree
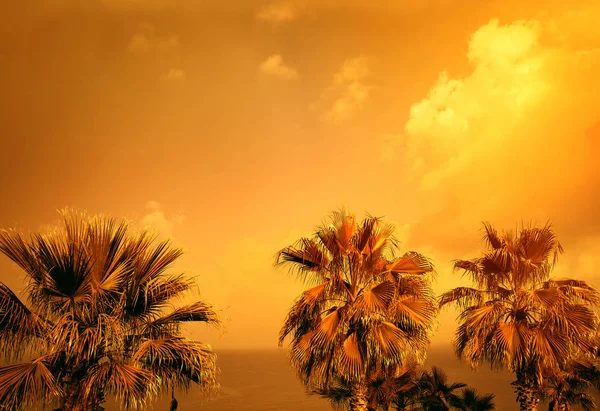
{"x": 470, "y": 400}
{"x": 410, "y": 389}
{"x": 383, "y": 390}
{"x": 516, "y": 316}
{"x": 366, "y": 310}
{"x": 408, "y": 393}
{"x": 436, "y": 393}
{"x": 97, "y": 321}
{"x": 586, "y": 369}
{"x": 568, "y": 387}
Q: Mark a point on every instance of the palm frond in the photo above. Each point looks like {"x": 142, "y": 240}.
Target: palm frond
{"x": 410, "y": 263}
{"x": 132, "y": 386}
{"x": 463, "y": 296}
{"x": 149, "y": 300}
{"x": 14, "y": 246}
{"x": 195, "y": 312}
{"x": 155, "y": 260}
{"x": 377, "y": 298}
{"x": 305, "y": 257}
{"x": 491, "y": 236}
{"x": 389, "y": 342}
{"x": 350, "y": 359}
{"x": 26, "y": 383}
{"x": 18, "y": 324}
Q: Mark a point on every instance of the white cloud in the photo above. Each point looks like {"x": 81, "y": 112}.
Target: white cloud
{"x": 511, "y": 140}
{"x": 174, "y": 74}
{"x": 139, "y": 43}
{"x": 156, "y": 219}
{"x": 146, "y": 40}
{"x": 464, "y": 122}
{"x": 348, "y": 92}
{"x": 168, "y": 43}
{"x": 277, "y": 12}
{"x": 274, "y": 66}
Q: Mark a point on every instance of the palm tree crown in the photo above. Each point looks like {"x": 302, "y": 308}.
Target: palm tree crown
{"x": 366, "y": 310}
{"x": 435, "y": 391}
{"x": 97, "y": 320}
{"x": 470, "y": 400}
{"x": 516, "y": 316}
{"x": 563, "y": 388}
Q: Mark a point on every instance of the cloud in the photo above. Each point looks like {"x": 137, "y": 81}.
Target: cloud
{"x": 139, "y": 43}
{"x": 277, "y": 12}
{"x": 274, "y": 66}
{"x": 156, "y": 219}
{"x": 145, "y": 40}
{"x": 168, "y": 43}
{"x": 514, "y": 139}
{"x": 174, "y": 74}
{"x": 348, "y": 92}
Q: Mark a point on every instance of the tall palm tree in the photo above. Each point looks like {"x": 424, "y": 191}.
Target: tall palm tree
{"x": 516, "y": 316}
{"x": 436, "y": 393}
{"x": 367, "y": 309}
{"x": 470, "y": 400}
{"x": 97, "y": 320}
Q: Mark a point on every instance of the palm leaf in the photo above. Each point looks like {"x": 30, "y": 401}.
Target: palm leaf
{"x": 18, "y": 324}
{"x": 350, "y": 359}
{"x": 378, "y": 297}
{"x": 390, "y": 342}
{"x": 491, "y": 236}
{"x": 26, "y": 383}
{"x": 463, "y": 296}
{"x": 410, "y": 263}
{"x": 197, "y": 312}
{"x": 131, "y": 385}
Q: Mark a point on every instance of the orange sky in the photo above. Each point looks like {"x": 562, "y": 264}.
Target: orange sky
{"x": 236, "y": 129}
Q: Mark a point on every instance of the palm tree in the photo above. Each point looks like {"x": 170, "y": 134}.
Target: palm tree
{"x": 383, "y": 390}
{"x": 408, "y": 393}
{"x": 567, "y": 387}
{"x": 470, "y": 400}
{"x": 516, "y": 316}
{"x": 410, "y": 389}
{"x": 367, "y": 310}
{"x": 97, "y": 320}
{"x": 436, "y": 394}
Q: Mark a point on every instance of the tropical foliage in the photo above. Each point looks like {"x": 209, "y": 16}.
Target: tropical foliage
{"x": 470, "y": 400}
{"x": 367, "y": 310}
{"x": 571, "y": 385}
{"x": 435, "y": 393}
{"x": 98, "y": 319}
{"x": 516, "y": 316}
{"x": 412, "y": 389}
{"x": 563, "y": 390}
{"x": 383, "y": 390}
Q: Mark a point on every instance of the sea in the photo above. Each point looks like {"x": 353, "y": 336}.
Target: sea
{"x": 263, "y": 380}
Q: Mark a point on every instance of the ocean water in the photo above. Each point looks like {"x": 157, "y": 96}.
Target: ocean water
{"x": 263, "y": 380}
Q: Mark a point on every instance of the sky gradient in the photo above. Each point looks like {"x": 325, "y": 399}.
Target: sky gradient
{"x": 236, "y": 129}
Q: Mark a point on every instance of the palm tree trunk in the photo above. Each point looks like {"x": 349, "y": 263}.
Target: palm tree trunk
{"x": 527, "y": 396}
{"x": 358, "y": 401}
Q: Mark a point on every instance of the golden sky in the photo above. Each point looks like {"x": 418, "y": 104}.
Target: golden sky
{"x": 235, "y": 129}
